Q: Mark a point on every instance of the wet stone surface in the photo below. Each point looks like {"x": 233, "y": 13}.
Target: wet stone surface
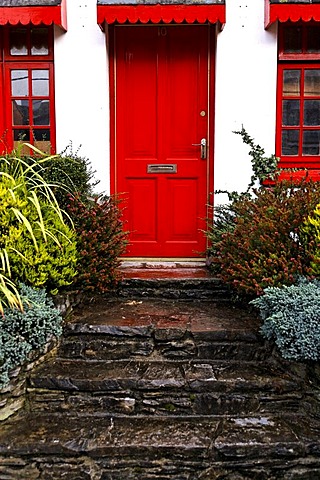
{"x": 146, "y": 389}
{"x": 165, "y": 328}
{"x": 155, "y": 387}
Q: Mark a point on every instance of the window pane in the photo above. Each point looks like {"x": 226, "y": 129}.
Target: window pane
{"x": 40, "y": 110}
{"x": 18, "y": 41}
{"x": 293, "y": 40}
{"x": 311, "y": 114}
{"x": 290, "y": 142}
{"x": 19, "y": 83}
{"x": 311, "y": 140}
{"x": 21, "y": 135}
{"x": 40, "y": 83}
{"x": 313, "y": 39}
{"x": 290, "y": 112}
{"x": 20, "y": 112}
{"x": 291, "y": 82}
{"x": 41, "y": 139}
{"x": 39, "y": 41}
{"x": 41, "y": 134}
{"x": 312, "y": 82}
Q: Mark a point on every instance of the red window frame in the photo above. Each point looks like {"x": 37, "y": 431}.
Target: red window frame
{"x": 29, "y": 63}
{"x": 303, "y": 60}
{"x": 304, "y": 28}
{"x": 2, "y": 112}
{"x": 32, "y": 127}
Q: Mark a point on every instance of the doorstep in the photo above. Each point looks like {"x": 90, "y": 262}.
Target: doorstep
{"x": 185, "y": 268}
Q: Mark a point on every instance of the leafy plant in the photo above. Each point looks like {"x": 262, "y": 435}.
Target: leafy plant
{"x": 263, "y": 167}
{"x": 27, "y": 331}
{"x": 31, "y": 227}
{"x": 291, "y": 316}
{"x": 311, "y": 230}
{"x": 264, "y": 246}
{"x": 69, "y": 173}
{"x": 101, "y": 241}
{"x": 48, "y": 257}
{"x": 223, "y": 219}
{"x": 65, "y": 173}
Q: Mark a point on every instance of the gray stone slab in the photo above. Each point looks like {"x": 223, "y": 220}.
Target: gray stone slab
{"x": 94, "y": 436}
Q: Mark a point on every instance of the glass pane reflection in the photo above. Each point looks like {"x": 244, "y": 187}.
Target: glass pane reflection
{"x": 39, "y": 41}
{"x": 311, "y": 114}
{"x": 313, "y": 39}
{"x": 40, "y": 109}
{"x": 21, "y": 135}
{"x": 18, "y": 41}
{"x": 290, "y": 142}
{"x": 41, "y": 134}
{"x": 293, "y": 40}
{"x": 290, "y": 112}
{"x": 40, "y": 83}
{"x": 19, "y": 83}
{"x": 291, "y": 82}
{"x": 20, "y": 112}
{"x": 312, "y": 82}
{"x": 310, "y": 144}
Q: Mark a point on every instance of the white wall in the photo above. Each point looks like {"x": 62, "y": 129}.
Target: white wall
{"x": 82, "y": 95}
{"x": 246, "y": 68}
{"x": 246, "y": 72}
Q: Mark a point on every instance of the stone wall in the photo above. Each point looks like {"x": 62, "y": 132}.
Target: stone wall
{"x": 13, "y": 396}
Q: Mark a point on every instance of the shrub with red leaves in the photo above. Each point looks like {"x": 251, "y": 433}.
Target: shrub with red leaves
{"x": 264, "y": 244}
{"x": 101, "y": 241}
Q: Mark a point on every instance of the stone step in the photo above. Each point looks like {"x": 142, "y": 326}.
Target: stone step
{"x": 207, "y": 288}
{"x": 163, "y": 388}
{"x": 163, "y": 329}
{"x": 47, "y": 447}
{"x": 179, "y": 280}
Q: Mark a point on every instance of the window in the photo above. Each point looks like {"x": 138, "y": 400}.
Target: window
{"x": 298, "y": 102}
{"x": 300, "y": 112}
{"x": 27, "y": 87}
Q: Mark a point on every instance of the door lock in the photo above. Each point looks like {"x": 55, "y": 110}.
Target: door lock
{"x": 203, "y": 145}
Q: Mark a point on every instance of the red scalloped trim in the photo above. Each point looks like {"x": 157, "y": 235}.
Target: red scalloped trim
{"x": 164, "y": 13}
{"x": 35, "y": 15}
{"x": 293, "y": 12}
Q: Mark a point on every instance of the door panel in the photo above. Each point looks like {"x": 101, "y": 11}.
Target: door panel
{"x": 182, "y": 196}
{"x": 142, "y": 192}
{"x": 161, "y": 109}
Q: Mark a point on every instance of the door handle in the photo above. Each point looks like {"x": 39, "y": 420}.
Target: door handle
{"x": 203, "y": 145}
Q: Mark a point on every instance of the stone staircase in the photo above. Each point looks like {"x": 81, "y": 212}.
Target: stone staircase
{"x": 166, "y": 389}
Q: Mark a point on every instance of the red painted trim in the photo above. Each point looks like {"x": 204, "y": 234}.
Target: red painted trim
{"x": 161, "y": 13}
{"x": 36, "y": 15}
{"x": 211, "y": 120}
{"x": 289, "y": 11}
{"x": 111, "y": 49}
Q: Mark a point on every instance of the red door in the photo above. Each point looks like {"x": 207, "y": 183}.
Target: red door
{"x": 161, "y": 110}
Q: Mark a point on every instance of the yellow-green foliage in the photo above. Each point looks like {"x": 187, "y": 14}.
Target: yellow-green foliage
{"x": 41, "y": 248}
{"x": 312, "y": 231}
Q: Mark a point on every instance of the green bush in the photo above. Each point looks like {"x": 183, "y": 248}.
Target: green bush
{"x": 69, "y": 173}
{"x": 291, "y": 317}
{"x": 27, "y": 331}
{"x": 41, "y": 249}
{"x": 64, "y": 173}
{"x": 101, "y": 241}
{"x": 264, "y": 245}
{"x": 36, "y": 245}
{"x": 311, "y": 230}
{"x": 223, "y": 220}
